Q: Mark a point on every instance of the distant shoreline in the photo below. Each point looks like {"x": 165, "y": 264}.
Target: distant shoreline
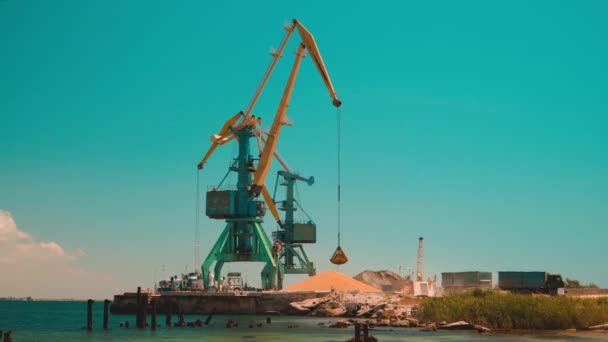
{"x": 26, "y": 299}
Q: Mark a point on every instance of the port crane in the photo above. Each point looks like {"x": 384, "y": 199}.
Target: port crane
{"x": 244, "y": 238}
{"x": 292, "y": 233}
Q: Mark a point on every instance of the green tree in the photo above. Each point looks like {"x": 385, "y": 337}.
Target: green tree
{"x": 572, "y": 283}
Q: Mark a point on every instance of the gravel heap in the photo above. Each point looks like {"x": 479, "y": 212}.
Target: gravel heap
{"x": 383, "y": 280}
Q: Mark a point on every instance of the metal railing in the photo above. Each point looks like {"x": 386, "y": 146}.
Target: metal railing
{"x": 223, "y": 187}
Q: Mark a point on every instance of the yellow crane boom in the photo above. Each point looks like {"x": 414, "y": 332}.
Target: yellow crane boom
{"x": 311, "y": 46}
{"x": 308, "y": 44}
{"x": 224, "y": 132}
{"x": 245, "y": 119}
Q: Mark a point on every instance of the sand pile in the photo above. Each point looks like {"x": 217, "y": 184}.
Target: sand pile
{"x": 328, "y": 280}
{"x": 383, "y": 280}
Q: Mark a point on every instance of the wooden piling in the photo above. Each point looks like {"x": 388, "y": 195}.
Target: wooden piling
{"x": 8, "y": 336}
{"x": 153, "y": 323}
{"x": 210, "y": 316}
{"x": 268, "y": 320}
{"x": 366, "y": 332}
{"x": 90, "y": 314}
{"x": 138, "y": 309}
{"x": 106, "y": 305}
{"x": 169, "y": 306}
{"x": 144, "y": 312}
{"x": 357, "y": 332}
{"x": 180, "y": 319}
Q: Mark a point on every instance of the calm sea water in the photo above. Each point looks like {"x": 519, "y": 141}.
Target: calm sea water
{"x": 63, "y": 321}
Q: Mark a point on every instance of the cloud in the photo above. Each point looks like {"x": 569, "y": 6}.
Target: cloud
{"x": 8, "y": 228}
{"x": 53, "y": 247}
{"x": 23, "y": 235}
{"x": 17, "y": 244}
{"x": 29, "y": 263}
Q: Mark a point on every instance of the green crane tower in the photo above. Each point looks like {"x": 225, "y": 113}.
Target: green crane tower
{"x": 243, "y": 238}
{"x": 292, "y": 234}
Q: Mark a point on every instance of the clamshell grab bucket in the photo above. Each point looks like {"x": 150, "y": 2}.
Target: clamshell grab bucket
{"x": 339, "y": 257}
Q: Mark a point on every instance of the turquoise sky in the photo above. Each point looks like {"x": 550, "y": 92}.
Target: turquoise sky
{"x": 478, "y": 125}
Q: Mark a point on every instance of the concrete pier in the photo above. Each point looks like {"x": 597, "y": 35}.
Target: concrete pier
{"x": 190, "y": 302}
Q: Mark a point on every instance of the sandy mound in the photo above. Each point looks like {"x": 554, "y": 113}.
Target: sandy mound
{"x": 383, "y": 280}
{"x": 328, "y": 280}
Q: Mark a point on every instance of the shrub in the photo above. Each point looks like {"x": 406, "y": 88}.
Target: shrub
{"x": 515, "y": 311}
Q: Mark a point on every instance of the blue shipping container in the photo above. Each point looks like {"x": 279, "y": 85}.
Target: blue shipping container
{"x": 522, "y": 280}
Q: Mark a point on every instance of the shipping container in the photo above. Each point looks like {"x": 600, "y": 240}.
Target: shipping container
{"x": 458, "y": 281}
{"x": 530, "y": 282}
{"x": 522, "y": 280}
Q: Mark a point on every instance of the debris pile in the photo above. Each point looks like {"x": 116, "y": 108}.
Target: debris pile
{"x": 383, "y": 280}
{"x": 331, "y": 281}
{"x": 460, "y": 325}
{"x": 376, "y": 309}
{"x": 388, "y": 309}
